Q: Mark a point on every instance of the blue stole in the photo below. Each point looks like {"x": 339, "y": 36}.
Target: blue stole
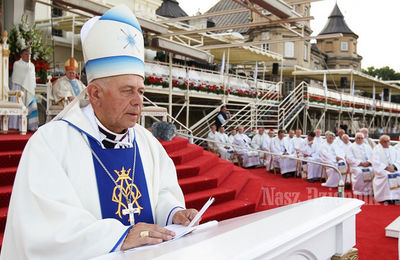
{"x": 119, "y": 162}
{"x": 75, "y": 87}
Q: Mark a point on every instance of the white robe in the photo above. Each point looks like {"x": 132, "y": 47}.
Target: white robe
{"x": 298, "y": 143}
{"x": 279, "y": 146}
{"x": 55, "y": 212}
{"x": 311, "y": 153}
{"x": 266, "y": 146}
{"x": 355, "y": 155}
{"x": 211, "y": 145}
{"x": 250, "y": 158}
{"x": 328, "y": 154}
{"x": 257, "y": 143}
{"x": 62, "y": 89}
{"x": 368, "y": 141}
{"x": 380, "y": 183}
{"x": 225, "y": 153}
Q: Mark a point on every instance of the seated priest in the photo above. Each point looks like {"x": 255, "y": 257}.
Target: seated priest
{"x": 95, "y": 181}
{"x": 331, "y": 153}
{"x": 249, "y": 158}
{"x": 339, "y": 138}
{"x": 359, "y": 158}
{"x": 346, "y": 144}
{"x": 287, "y": 166}
{"x": 266, "y": 146}
{"x": 367, "y": 140}
{"x": 223, "y": 148}
{"x": 67, "y": 87}
{"x": 386, "y": 166}
{"x": 211, "y": 136}
{"x": 310, "y": 152}
{"x": 232, "y": 135}
{"x": 258, "y": 141}
{"x": 298, "y": 141}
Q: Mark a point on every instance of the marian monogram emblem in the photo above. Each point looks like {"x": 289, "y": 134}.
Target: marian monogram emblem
{"x": 124, "y": 189}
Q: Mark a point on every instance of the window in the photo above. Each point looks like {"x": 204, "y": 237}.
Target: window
{"x": 305, "y": 52}
{"x": 265, "y": 46}
{"x": 56, "y": 12}
{"x": 344, "y": 46}
{"x": 56, "y": 32}
{"x": 289, "y": 49}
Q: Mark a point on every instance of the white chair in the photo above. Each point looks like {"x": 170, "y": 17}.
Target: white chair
{"x": 52, "y": 109}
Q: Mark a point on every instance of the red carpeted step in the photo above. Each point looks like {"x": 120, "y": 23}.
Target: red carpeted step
{"x": 3, "y": 218}
{"x": 13, "y": 142}
{"x": 7, "y": 175}
{"x": 177, "y": 143}
{"x": 196, "y": 166}
{"x": 197, "y": 199}
{"x": 226, "y": 210}
{"x": 9, "y": 158}
{"x": 197, "y": 183}
{"x": 186, "y": 154}
{"x": 221, "y": 170}
{"x": 252, "y": 191}
{"x": 5, "y": 194}
{"x": 237, "y": 180}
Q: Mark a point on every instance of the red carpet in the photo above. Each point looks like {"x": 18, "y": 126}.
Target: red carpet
{"x": 237, "y": 191}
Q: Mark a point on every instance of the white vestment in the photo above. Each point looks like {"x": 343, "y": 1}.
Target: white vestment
{"x": 266, "y": 146}
{"x": 355, "y": 155}
{"x": 279, "y": 146}
{"x": 368, "y": 141}
{"x": 381, "y": 158}
{"x": 250, "y": 158}
{"x": 63, "y": 89}
{"x": 298, "y": 143}
{"x": 231, "y": 138}
{"x": 257, "y": 143}
{"x": 311, "y": 153}
{"x": 23, "y": 78}
{"x": 225, "y": 153}
{"x": 55, "y": 211}
{"x": 345, "y": 147}
{"x": 328, "y": 154}
{"x": 211, "y": 145}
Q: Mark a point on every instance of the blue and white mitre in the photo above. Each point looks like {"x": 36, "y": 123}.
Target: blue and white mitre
{"x": 119, "y": 28}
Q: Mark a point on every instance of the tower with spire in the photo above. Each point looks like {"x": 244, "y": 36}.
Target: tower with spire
{"x": 342, "y": 51}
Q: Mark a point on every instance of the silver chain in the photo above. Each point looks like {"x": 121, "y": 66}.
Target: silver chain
{"x": 109, "y": 174}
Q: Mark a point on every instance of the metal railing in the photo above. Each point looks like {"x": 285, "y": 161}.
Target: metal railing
{"x": 341, "y": 183}
{"x": 174, "y": 120}
{"x": 287, "y": 112}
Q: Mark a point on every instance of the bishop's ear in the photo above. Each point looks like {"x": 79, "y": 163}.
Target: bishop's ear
{"x": 95, "y": 92}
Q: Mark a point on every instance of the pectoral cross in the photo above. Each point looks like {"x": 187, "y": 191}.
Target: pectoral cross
{"x": 131, "y": 211}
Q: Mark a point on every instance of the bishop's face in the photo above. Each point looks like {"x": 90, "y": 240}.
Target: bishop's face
{"x": 119, "y": 103}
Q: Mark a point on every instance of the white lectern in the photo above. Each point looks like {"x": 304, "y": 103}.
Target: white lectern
{"x": 314, "y": 229}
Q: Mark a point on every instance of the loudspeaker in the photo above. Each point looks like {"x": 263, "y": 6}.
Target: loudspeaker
{"x": 343, "y": 82}
{"x": 275, "y": 68}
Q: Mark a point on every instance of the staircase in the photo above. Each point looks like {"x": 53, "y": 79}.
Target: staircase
{"x": 201, "y": 174}
{"x": 292, "y": 105}
{"x": 11, "y": 146}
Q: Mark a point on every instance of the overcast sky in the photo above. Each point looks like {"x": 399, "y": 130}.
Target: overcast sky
{"x": 377, "y": 23}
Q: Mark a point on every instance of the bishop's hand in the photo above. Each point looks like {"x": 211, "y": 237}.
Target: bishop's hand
{"x": 183, "y": 217}
{"x": 146, "y": 234}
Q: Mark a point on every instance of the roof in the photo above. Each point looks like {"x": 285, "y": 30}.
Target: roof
{"x": 171, "y": 8}
{"x": 336, "y": 23}
{"x": 230, "y": 19}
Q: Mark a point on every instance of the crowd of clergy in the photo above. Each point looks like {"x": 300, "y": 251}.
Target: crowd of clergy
{"x": 369, "y": 167}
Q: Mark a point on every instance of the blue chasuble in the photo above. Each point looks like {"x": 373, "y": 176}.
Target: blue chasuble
{"x": 119, "y": 163}
{"x": 75, "y": 87}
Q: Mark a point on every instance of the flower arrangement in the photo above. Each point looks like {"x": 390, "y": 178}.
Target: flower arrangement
{"x": 204, "y": 87}
{"x": 23, "y": 36}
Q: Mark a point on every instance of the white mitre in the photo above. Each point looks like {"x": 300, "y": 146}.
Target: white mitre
{"x": 113, "y": 44}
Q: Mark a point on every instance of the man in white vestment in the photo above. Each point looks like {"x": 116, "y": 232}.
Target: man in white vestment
{"x": 232, "y": 136}
{"x": 331, "y": 153}
{"x": 67, "y": 87}
{"x": 257, "y": 142}
{"x": 298, "y": 141}
{"x": 278, "y": 146}
{"x": 385, "y": 163}
{"x": 339, "y": 138}
{"x": 266, "y": 146}
{"x": 310, "y": 151}
{"x": 289, "y": 143}
{"x": 23, "y": 78}
{"x": 96, "y": 182}
{"x": 345, "y": 143}
{"x": 359, "y": 158}
{"x": 224, "y": 150}
{"x": 249, "y": 158}
{"x": 367, "y": 140}
{"x": 211, "y": 136}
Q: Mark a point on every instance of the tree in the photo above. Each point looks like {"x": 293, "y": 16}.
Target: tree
{"x": 384, "y": 73}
